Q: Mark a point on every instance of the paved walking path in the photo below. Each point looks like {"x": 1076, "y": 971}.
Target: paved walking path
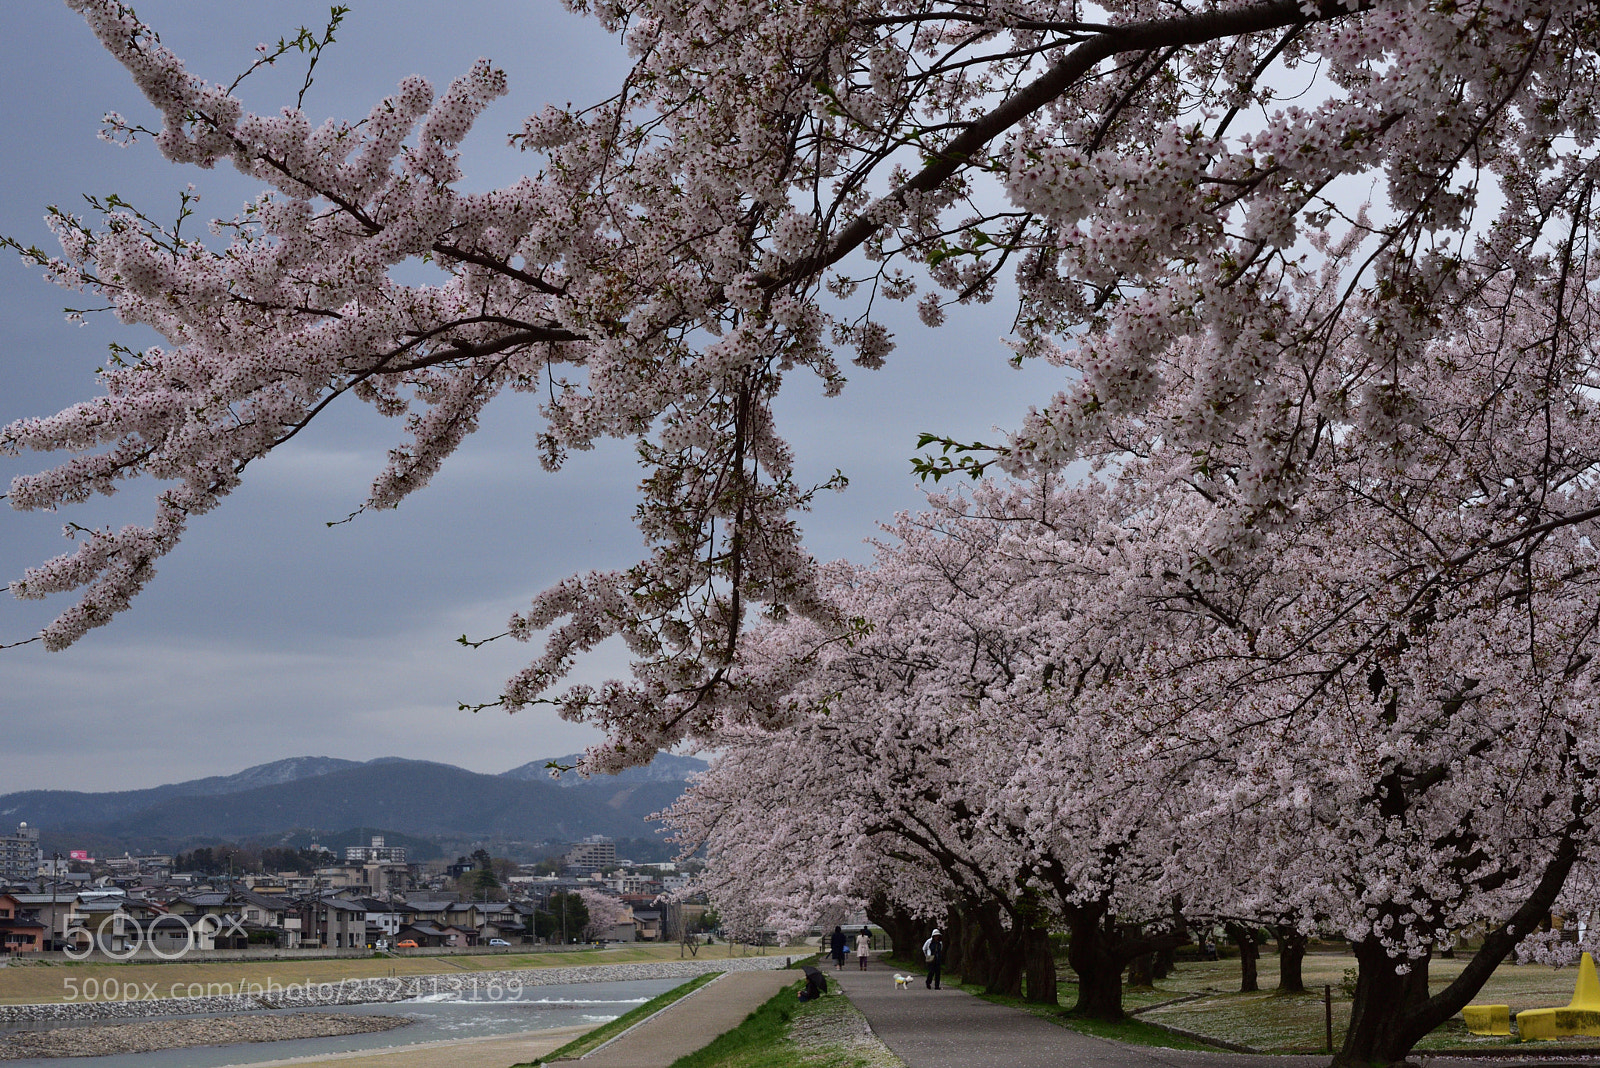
{"x": 691, "y": 1022}
{"x": 952, "y": 1029}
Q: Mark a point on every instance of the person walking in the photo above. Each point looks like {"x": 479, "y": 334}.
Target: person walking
{"x": 863, "y": 944}
{"x": 838, "y": 945}
{"x": 933, "y": 954}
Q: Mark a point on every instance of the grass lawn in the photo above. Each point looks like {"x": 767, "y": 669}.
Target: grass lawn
{"x": 1293, "y": 1023}
{"x": 41, "y": 982}
{"x": 786, "y": 1033}
{"x": 1285, "y": 1023}
{"x": 605, "y": 1032}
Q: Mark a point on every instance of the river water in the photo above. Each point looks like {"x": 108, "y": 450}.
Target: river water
{"x": 437, "y": 1018}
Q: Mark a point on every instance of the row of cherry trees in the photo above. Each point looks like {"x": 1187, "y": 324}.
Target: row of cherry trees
{"x": 1311, "y": 643}
{"x": 1363, "y": 705}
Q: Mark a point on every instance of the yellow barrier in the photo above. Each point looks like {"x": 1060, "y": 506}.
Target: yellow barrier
{"x": 1488, "y": 1019}
{"x": 1581, "y": 1017}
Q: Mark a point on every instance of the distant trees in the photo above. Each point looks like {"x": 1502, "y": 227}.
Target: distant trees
{"x": 564, "y": 918}
{"x": 483, "y": 883}
{"x": 239, "y": 859}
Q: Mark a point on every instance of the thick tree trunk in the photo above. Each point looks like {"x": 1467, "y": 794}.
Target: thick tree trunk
{"x": 1291, "y": 959}
{"x": 1417, "y": 986}
{"x": 903, "y": 929}
{"x": 1386, "y": 1019}
{"x": 1166, "y": 961}
{"x": 958, "y": 942}
{"x": 985, "y": 948}
{"x": 1142, "y": 972}
{"x": 1005, "y": 975}
{"x": 1040, "y": 966}
{"x": 1092, "y": 955}
{"x": 1245, "y": 937}
{"x": 1383, "y": 1015}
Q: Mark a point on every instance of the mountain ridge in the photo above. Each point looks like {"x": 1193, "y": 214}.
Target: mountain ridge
{"x": 416, "y": 797}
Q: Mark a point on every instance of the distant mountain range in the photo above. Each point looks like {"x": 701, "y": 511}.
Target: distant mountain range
{"x": 282, "y": 800}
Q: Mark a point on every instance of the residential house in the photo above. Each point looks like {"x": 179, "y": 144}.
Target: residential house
{"x": 114, "y": 924}
{"x": 237, "y": 918}
{"x": 647, "y": 924}
{"x": 428, "y": 934}
{"x": 20, "y": 931}
{"x": 333, "y": 923}
{"x": 57, "y": 911}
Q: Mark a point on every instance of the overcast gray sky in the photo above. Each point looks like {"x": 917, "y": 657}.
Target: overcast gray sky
{"x": 268, "y": 634}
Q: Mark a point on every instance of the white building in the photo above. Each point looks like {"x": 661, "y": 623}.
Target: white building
{"x": 376, "y": 852}
{"x": 20, "y": 855}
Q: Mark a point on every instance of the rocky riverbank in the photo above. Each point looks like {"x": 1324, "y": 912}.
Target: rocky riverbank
{"x": 176, "y": 1034}
{"x": 253, "y": 995}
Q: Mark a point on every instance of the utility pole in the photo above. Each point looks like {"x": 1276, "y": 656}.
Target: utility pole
{"x": 55, "y": 877}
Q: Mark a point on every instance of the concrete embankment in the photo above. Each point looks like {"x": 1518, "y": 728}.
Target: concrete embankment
{"x": 290, "y": 994}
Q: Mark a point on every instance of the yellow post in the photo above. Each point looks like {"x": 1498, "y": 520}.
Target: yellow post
{"x": 1586, "y": 995}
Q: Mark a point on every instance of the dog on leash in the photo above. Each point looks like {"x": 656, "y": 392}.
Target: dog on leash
{"x": 901, "y": 982}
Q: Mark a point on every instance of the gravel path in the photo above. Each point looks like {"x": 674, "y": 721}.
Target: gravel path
{"x": 176, "y": 1034}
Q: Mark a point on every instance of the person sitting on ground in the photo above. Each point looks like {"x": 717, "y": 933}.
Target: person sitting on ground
{"x": 816, "y": 984}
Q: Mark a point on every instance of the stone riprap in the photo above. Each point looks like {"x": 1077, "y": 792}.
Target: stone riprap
{"x": 305, "y": 995}
{"x": 177, "y": 1034}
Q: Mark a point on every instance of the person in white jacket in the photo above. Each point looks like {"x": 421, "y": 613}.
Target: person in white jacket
{"x": 933, "y": 954}
{"x": 863, "y": 944}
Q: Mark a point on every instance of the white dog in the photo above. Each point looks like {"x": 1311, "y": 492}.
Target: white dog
{"x": 902, "y": 981}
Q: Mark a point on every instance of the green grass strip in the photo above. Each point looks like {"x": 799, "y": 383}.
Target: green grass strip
{"x": 588, "y": 1041}
{"x": 759, "y": 1042}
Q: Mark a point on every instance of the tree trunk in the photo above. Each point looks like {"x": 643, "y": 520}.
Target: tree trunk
{"x": 983, "y": 948}
{"x": 904, "y": 938}
{"x": 1040, "y": 964}
{"x": 1166, "y": 961}
{"x": 958, "y": 943}
{"x": 1092, "y": 955}
{"x": 1417, "y": 986}
{"x": 1386, "y": 1019}
{"x": 1005, "y": 974}
{"x": 1245, "y": 938}
{"x": 1291, "y": 959}
{"x": 1142, "y": 972}
{"x": 1381, "y": 1030}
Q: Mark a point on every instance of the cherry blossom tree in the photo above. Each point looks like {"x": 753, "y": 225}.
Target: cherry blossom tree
{"x": 1379, "y": 689}
{"x": 730, "y": 218}
{"x": 605, "y": 912}
{"x": 1327, "y": 588}
{"x": 925, "y": 756}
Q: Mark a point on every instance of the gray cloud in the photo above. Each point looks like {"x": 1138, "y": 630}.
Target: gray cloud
{"x": 269, "y": 634}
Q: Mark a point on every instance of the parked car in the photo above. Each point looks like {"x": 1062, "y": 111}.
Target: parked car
{"x": 407, "y": 944}
{"x": 498, "y": 942}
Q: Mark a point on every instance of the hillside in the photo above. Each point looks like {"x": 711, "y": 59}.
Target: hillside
{"x": 412, "y": 797}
